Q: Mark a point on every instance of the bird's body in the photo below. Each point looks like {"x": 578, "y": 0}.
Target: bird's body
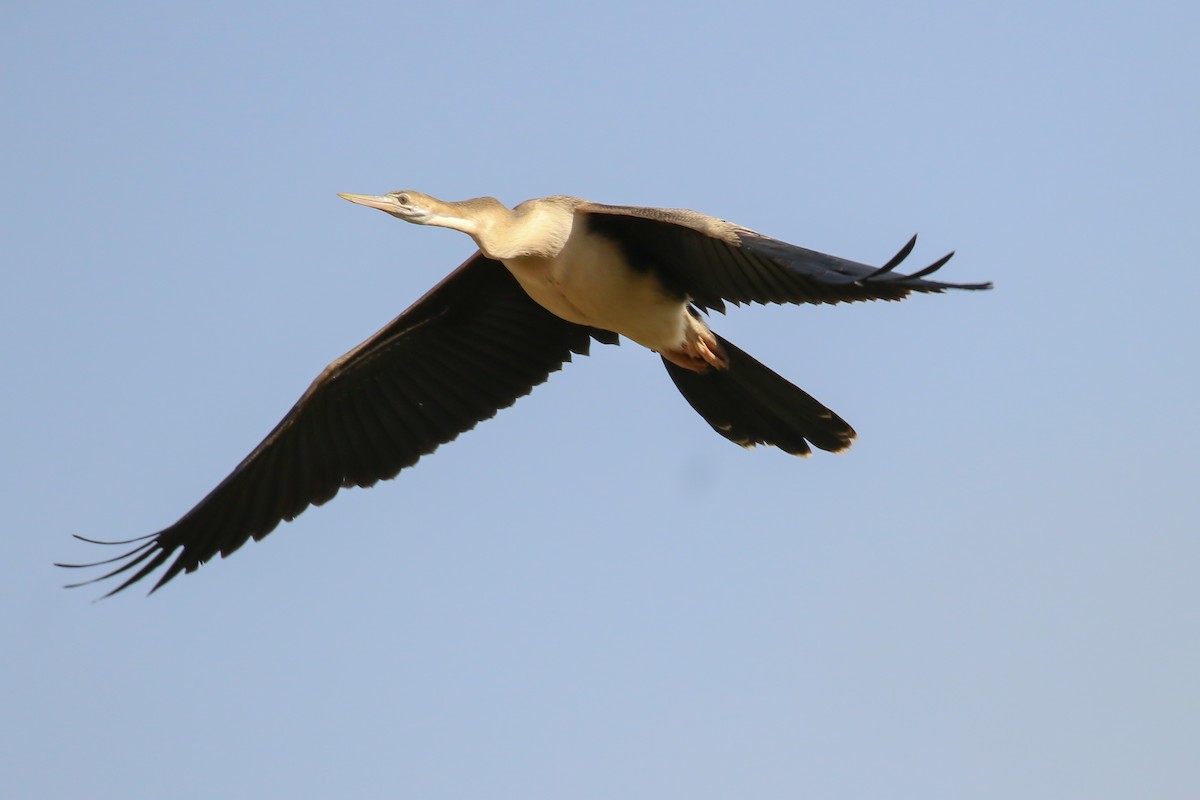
{"x": 575, "y": 273}
{"x": 551, "y": 275}
{"x": 582, "y": 278}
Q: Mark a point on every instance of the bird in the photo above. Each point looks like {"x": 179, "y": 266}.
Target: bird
{"x": 550, "y": 277}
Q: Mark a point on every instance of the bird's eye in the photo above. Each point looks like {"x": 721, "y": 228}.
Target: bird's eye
{"x": 402, "y": 199}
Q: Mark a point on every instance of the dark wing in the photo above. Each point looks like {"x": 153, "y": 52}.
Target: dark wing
{"x": 710, "y": 261}
{"x": 471, "y": 346}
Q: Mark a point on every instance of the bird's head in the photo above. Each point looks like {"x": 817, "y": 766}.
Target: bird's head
{"x": 473, "y": 217}
{"x": 410, "y": 206}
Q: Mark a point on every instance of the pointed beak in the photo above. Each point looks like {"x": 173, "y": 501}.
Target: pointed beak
{"x": 383, "y": 202}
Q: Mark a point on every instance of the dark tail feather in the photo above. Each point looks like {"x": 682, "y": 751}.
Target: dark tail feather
{"x": 749, "y": 404}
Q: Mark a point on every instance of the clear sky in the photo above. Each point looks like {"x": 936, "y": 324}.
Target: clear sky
{"x": 992, "y": 595}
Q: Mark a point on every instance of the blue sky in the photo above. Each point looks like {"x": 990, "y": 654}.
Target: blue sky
{"x": 992, "y": 595}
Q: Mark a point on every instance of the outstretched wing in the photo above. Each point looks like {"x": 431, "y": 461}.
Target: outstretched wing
{"x": 471, "y": 346}
{"x": 711, "y": 261}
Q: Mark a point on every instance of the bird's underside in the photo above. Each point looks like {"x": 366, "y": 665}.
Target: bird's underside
{"x": 551, "y": 277}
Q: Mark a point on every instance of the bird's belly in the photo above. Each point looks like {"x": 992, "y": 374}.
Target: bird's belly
{"x": 596, "y": 288}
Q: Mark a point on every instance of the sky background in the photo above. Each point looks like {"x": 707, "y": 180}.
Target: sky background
{"x": 992, "y": 595}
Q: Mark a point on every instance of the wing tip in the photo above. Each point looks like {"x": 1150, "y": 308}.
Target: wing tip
{"x": 150, "y": 554}
{"x": 895, "y": 260}
{"x": 917, "y": 280}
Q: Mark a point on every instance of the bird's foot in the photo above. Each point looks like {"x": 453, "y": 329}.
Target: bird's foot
{"x": 700, "y": 350}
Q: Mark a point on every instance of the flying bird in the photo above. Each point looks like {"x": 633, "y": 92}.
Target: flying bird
{"x": 550, "y": 276}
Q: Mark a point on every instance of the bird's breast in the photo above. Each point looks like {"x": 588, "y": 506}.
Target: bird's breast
{"x": 590, "y": 282}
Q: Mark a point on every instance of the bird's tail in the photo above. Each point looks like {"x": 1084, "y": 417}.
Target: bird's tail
{"x": 749, "y": 404}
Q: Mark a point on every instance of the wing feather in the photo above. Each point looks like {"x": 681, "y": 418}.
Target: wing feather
{"x": 471, "y": 346}
{"x": 711, "y": 261}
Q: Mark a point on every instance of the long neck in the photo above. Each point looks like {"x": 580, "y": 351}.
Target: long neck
{"x": 535, "y": 228}
{"x": 484, "y": 219}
